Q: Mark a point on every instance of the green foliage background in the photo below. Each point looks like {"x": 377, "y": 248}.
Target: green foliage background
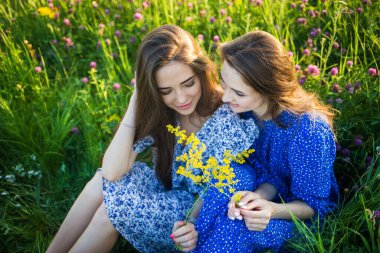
{"x": 54, "y": 126}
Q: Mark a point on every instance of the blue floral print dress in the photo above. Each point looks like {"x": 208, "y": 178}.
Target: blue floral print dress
{"x": 298, "y": 161}
{"x": 143, "y": 211}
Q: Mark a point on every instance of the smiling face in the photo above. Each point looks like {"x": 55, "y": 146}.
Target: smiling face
{"x": 179, "y": 87}
{"x": 239, "y": 95}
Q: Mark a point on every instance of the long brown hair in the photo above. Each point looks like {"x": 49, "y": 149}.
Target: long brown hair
{"x": 265, "y": 65}
{"x": 161, "y": 46}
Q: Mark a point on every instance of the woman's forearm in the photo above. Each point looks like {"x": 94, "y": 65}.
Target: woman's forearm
{"x": 196, "y": 209}
{"x": 266, "y": 191}
{"x": 297, "y": 207}
{"x": 117, "y": 158}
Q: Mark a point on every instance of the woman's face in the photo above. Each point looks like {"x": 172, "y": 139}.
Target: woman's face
{"x": 179, "y": 87}
{"x": 240, "y": 96}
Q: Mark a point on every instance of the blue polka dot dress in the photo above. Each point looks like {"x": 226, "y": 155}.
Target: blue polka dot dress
{"x": 143, "y": 211}
{"x": 298, "y": 161}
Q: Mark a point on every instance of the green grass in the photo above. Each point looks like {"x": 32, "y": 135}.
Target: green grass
{"x": 54, "y": 128}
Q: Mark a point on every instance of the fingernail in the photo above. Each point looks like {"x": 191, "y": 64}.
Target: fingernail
{"x": 172, "y": 236}
{"x": 237, "y": 214}
{"x": 239, "y": 217}
{"x": 181, "y": 223}
{"x": 241, "y": 203}
{"x": 231, "y": 218}
{"x": 244, "y": 207}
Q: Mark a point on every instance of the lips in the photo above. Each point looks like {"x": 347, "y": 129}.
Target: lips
{"x": 186, "y": 106}
{"x": 234, "y": 105}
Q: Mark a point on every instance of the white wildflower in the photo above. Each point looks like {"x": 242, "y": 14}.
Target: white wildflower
{"x": 10, "y": 178}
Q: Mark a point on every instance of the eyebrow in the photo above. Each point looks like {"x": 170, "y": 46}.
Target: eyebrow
{"x": 230, "y": 87}
{"x": 183, "y": 82}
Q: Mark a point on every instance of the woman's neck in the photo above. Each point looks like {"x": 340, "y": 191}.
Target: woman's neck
{"x": 191, "y": 123}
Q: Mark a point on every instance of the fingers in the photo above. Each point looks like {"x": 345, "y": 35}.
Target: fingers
{"x": 184, "y": 233}
{"x": 258, "y": 204}
{"x": 263, "y": 214}
{"x": 233, "y": 212}
{"x": 188, "y": 246}
{"x": 177, "y": 225}
{"x": 256, "y": 220}
{"x": 193, "y": 235}
{"x": 247, "y": 198}
{"x": 182, "y": 229}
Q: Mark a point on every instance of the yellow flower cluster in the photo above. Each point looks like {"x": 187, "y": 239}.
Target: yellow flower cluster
{"x": 46, "y": 11}
{"x": 220, "y": 176}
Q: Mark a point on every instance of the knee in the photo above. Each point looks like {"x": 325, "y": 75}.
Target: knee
{"x": 94, "y": 188}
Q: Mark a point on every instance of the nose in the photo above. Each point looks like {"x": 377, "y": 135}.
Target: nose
{"x": 226, "y": 98}
{"x": 181, "y": 97}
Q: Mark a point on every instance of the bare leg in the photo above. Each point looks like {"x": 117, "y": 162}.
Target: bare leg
{"x": 79, "y": 216}
{"x": 100, "y": 235}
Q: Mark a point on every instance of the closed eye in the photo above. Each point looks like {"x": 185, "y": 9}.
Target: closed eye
{"x": 190, "y": 84}
{"x": 165, "y": 92}
{"x": 240, "y": 94}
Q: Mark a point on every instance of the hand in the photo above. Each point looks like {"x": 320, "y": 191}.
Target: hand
{"x": 255, "y": 211}
{"x": 257, "y": 214}
{"x": 234, "y": 208}
{"x": 184, "y": 235}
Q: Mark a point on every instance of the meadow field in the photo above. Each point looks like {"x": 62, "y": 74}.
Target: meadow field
{"x": 66, "y": 75}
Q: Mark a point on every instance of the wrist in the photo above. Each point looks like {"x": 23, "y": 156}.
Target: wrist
{"x": 275, "y": 208}
{"x": 191, "y": 220}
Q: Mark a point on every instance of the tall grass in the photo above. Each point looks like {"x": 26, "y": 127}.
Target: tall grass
{"x": 57, "y": 114}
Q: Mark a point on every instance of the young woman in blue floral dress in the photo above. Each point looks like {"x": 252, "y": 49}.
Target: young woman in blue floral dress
{"x": 176, "y": 84}
{"x": 294, "y": 156}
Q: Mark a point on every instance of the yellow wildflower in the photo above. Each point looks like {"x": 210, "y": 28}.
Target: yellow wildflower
{"x": 46, "y": 11}
{"x": 220, "y": 176}
{"x": 237, "y": 198}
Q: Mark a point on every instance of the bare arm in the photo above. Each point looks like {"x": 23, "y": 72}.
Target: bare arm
{"x": 283, "y": 211}
{"x": 257, "y": 212}
{"x": 197, "y": 208}
{"x": 266, "y": 191}
{"x": 119, "y": 155}
{"x": 296, "y": 207}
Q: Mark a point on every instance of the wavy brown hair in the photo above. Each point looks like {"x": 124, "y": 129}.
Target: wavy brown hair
{"x": 264, "y": 65}
{"x": 161, "y": 46}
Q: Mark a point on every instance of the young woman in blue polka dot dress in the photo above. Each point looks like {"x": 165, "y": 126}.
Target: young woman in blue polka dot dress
{"x": 294, "y": 157}
{"x": 176, "y": 85}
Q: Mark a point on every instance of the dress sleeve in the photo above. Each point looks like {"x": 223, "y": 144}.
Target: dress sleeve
{"x": 141, "y": 144}
{"x": 311, "y": 157}
{"x": 264, "y": 176}
{"x": 225, "y": 130}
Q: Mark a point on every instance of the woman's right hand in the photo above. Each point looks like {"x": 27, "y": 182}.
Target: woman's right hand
{"x": 184, "y": 235}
